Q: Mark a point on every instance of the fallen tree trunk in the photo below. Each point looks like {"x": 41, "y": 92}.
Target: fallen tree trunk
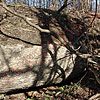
{"x": 22, "y": 67}
{"x": 43, "y": 63}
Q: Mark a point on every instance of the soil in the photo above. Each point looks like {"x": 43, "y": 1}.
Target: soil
{"x": 76, "y": 90}
{"x": 81, "y": 88}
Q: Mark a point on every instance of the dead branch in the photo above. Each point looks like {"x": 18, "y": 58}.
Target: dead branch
{"x": 26, "y": 19}
{"x": 89, "y": 58}
{"x": 95, "y": 97}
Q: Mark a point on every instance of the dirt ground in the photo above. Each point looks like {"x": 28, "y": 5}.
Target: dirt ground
{"x": 81, "y": 88}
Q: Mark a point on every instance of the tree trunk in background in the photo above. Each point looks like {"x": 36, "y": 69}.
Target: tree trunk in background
{"x": 65, "y": 2}
{"x": 43, "y": 3}
{"x": 40, "y": 4}
{"x": 55, "y": 4}
{"x": 60, "y": 1}
{"x": 33, "y": 2}
{"x": 99, "y": 7}
{"x": 89, "y": 4}
{"x": 49, "y": 3}
{"x": 75, "y": 4}
{"x": 80, "y": 4}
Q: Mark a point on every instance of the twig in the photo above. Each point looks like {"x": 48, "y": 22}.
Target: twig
{"x": 64, "y": 6}
{"x": 95, "y": 14}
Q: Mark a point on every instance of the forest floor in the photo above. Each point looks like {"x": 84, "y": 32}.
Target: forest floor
{"x": 81, "y": 88}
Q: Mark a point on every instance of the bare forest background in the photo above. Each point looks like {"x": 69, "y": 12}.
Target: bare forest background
{"x": 56, "y": 4}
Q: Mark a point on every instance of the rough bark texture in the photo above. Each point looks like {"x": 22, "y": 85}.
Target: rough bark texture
{"x": 29, "y": 58}
{"x": 22, "y": 67}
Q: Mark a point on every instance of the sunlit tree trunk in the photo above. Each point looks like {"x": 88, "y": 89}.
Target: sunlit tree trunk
{"x": 56, "y": 4}
{"x": 40, "y": 4}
